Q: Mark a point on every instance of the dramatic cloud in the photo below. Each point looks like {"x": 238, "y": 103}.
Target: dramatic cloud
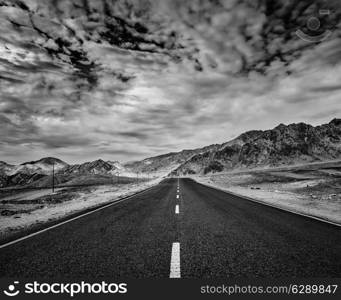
{"x": 128, "y": 79}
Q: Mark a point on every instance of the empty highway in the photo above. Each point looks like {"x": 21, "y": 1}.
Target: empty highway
{"x": 180, "y": 229}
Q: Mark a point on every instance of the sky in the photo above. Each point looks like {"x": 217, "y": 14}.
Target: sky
{"x": 125, "y": 80}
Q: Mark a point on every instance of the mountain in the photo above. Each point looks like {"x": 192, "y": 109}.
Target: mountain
{"x": 28, "y": 172}
{"x": 282, "y": 145}
{"x": 20, "y": 179}
{"x": 39, "y": 173}
{"x": 88, "y": 173}
{"x": 94, "y": 167}
{"x": 166, "y": 163}
{"x": 41, "y": 166}
{"x": 5, "y": 168}
{"x": 117, "y": 165}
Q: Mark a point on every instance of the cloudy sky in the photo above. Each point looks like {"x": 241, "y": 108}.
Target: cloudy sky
{"x": 126, "y": 79}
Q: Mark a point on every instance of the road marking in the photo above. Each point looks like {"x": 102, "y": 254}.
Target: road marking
{"x": 177, "y": 196}
{"x": 177, "y": 209}
{"x": 73, "y": 219}
{"x": 175, "y": 261}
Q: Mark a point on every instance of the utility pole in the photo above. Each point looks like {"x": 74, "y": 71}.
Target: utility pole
{"x": 118, "y": 177}
{"x": 53, "y": 177}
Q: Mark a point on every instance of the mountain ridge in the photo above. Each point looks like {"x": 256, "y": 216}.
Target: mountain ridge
{"x": 281, "y": 145}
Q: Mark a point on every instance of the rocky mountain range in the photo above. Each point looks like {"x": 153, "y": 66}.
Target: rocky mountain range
{"x": 39, "y": 173}
{"x": 94, "y": 167}
{"x": 166, "y": 163}
{"x": 282, "y": 145}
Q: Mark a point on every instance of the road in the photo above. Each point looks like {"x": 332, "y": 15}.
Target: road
{"x": 201, "y": 233}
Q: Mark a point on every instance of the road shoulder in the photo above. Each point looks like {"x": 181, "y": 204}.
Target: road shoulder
{"x": 271, "y": 201}
{"x": 15, "y": 228}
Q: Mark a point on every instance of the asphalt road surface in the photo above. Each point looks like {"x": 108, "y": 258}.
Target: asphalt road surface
{"x": 210, "y": 234}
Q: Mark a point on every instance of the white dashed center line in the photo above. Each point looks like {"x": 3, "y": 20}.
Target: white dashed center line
{"x": 176, "y": 209}
{"x": 177, "y": 196}
{"x": 175, "y": 261}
